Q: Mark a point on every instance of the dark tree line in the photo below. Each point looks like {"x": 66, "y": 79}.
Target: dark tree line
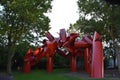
{"x": 22, "y": 21}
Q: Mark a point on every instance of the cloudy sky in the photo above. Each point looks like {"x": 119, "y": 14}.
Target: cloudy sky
{"x": 63, "y": 13}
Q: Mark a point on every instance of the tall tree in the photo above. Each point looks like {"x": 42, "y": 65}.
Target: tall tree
{"x": 22, "y": 20}
{"x": 97, "y": 15}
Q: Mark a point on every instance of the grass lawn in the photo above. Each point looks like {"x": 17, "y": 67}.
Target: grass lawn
{"x": 57, "y": 74}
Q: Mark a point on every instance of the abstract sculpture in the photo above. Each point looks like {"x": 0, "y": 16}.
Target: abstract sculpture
{"x": 69, "y": 47}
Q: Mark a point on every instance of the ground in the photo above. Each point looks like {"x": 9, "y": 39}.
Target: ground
{"x": 82, "y": 75}
{"x": 113, "y": 74}
{"x": 4, "y": 76}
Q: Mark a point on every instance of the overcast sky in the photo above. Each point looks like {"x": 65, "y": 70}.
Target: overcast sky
{"x": 63, "y": 13}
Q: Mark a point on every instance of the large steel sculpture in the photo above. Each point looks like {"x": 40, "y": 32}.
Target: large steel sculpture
{"x": 70, "y": 47}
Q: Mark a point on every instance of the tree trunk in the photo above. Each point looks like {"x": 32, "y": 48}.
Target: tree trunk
{"x": 118, "y": 60}
{"x": 117, "y": 55}
{"x": 115, "y": 44}
{"x": 116, "y": 48}
{"x": 11, "y": 50}
{"x": 117, "y": 51}
{"x": 9, "y": 64}
{"x": 114, "y": 59}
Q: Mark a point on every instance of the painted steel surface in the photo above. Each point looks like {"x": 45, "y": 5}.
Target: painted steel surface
{"x": 69, "y": 47}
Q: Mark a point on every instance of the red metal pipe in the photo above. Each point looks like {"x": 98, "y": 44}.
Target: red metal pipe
{"x": 90, "y": 59}
{"x": 27, "y": 67}
{"x": 86, "y": 61}
{"x": 93, "y": 59}
{"x": 62, "y": 35}
{"x": 49, "y": 36}
{"x": 49, "y": 64}
{"x": 73, "y": 64}
{"x": 81, "y": 44}
{"x": 88, "y": 39}
{"x": 97, "y": 70}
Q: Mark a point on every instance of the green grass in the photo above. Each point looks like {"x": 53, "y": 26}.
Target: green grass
{"x": 57, "y": 74}
{"x": 43, "y": 75}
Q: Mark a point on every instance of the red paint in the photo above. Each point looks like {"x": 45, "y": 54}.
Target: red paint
{"x": 97, "y": 58}
{"x": 27, "y": 67}
{"x": 86, "y": 61}
{"x": 62, "y": 35}
{"x": 88, "y": 39}
{"x": 49, "y": 64}
{"x": 69, "y": 47}
{"x": 81, "y": 44}
{"x": 49, "y": 36}
{"x": 73, "y": 64}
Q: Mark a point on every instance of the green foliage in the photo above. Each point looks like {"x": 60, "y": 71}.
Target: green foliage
{"x": 20, "y": 51}
{"x": 97, "y": 15}
{"x": 109, "y": 53}
{"x": 22, "y": 21}
{"x": 100, "y": 16}
{"x": 60, "y": 61}
{"x": 3, "y": 55}
{"x": 23, "y": 18}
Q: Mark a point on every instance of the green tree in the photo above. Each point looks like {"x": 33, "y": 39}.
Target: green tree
{"x": 22, "y": 20}
{"x": 20, "y": 51}
{"x": 109, "y": 53}
{"x": 100, "y": 16}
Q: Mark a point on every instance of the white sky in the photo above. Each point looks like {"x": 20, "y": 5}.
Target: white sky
{"x": 63, "y": 13}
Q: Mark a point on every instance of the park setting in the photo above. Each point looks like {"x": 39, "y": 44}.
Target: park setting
{"x": 59, "y": 40}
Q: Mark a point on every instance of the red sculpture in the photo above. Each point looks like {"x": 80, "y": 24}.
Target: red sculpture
{"x": 69, "y": 47}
